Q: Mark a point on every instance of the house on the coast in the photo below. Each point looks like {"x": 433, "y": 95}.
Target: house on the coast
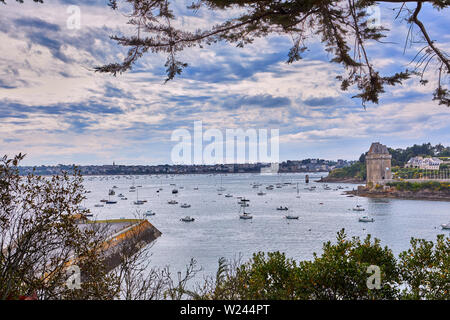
{"x": 428, "y": 163}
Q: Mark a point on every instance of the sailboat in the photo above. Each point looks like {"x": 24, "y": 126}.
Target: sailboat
{"x": 221, "y": 188}
{"x": 138, "y": 202}
{"x": 291, "y": 216}
{"x": 245, "y": 215}
{"x": 109, "y": 201}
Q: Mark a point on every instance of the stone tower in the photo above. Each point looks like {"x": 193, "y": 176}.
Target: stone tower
{"x": 378, "y": 164}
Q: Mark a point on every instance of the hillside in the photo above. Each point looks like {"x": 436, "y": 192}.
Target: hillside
{"x": 357, "y": 172}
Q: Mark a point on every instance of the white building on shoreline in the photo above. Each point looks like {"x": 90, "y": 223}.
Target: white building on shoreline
{"x": 424, "y": 163}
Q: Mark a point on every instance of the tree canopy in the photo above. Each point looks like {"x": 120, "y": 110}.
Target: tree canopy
{"x": 343, "y": 26}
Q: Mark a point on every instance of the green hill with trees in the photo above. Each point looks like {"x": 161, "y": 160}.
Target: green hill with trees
{"x": 357, "y": 171}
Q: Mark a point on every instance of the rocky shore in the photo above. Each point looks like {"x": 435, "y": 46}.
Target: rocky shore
{"x": 391, "y": 192}
{"x": 340, "y": 180}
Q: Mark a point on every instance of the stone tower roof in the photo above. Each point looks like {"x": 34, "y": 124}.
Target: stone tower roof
{"x": 378, "y": 148}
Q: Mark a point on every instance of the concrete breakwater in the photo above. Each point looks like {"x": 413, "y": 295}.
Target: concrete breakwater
{"x": 125, "y": 237}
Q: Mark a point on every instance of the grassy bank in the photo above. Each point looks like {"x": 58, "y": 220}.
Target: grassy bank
{"x": 419, "y": 186}
{"x": 356, "y": 171}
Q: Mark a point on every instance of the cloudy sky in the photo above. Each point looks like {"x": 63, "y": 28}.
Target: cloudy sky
{"x": 55, "y": 109}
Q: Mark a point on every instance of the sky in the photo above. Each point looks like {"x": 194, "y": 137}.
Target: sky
{"x": 54, "y": 108}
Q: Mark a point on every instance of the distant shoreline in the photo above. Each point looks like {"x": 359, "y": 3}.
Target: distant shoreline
{"x": 175, "y": 173}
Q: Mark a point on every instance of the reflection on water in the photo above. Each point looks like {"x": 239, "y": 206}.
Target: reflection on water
{"x": 218, "y": 232}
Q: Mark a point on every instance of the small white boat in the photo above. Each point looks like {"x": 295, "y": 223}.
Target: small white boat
{"x": 187, "y": 219}
{"x": 245, "y": 216}
{"x": 228, "y": 195}
{"x": 446, "y": 226}
{"x": 185, "y": 205}
{"x": 120, "y": 195}
{"x": 358, "y": 208}
{"x": 172, "y": 202}
{"x": 282, "y": 208}
{"x": 366, "y": 219}
{"x": 149, "y": 213}
{"x": 291, "y": 217}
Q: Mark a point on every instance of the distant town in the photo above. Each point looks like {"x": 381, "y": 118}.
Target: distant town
{"x": 306, "y": 165}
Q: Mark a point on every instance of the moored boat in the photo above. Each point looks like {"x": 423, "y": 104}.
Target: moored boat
{"x": 446, "y": 226}
{"x": 366, "y": 219}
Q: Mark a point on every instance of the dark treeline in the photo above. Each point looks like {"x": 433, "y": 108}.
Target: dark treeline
{"x": 401, "y": 156}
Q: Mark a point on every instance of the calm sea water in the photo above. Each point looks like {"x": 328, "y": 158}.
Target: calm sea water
{"x": 218, "y": 232}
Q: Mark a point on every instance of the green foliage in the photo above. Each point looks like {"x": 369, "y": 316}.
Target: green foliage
{"x": 355, "y": 171}
{"x": 340, "y": 272}
{"x": 417, "y": 186}
{"x": 399, "y": 159}
{"x": 426, "y": 269}
{"x": 409, "y": 173}
{"x": 39, "y": 237}
{"x": 401, "y": 156}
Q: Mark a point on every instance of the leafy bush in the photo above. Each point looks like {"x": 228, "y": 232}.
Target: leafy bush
{"x": 355, "y": 171}
{"x": 418, "y": 186}
{"x": 421, "y": 272}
